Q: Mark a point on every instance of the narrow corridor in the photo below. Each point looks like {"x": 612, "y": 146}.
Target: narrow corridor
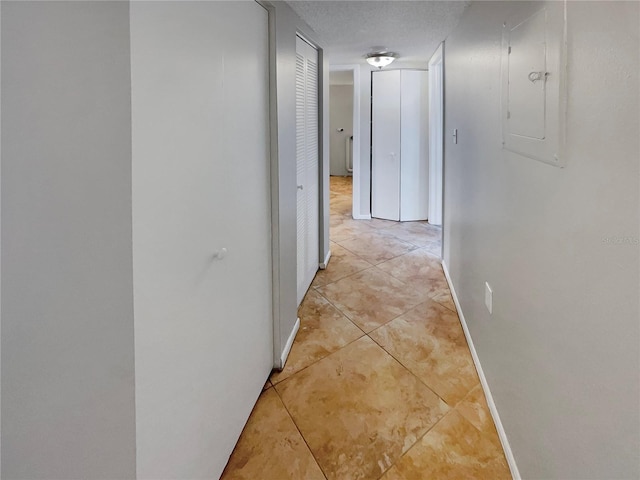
{"x": 380, "y": 382}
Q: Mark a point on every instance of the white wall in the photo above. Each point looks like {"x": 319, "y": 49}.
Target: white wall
{"x": 0, "y": 241}
{"x": 67, "y": 302}
{"x": 201, "y": 174}
{"x": 286, "y": 25}
{"x": 561, "y": 349}
{"x": 341, "y": 114}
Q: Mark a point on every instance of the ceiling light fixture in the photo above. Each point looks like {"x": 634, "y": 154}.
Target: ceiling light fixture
{"x": 380, "y": 59}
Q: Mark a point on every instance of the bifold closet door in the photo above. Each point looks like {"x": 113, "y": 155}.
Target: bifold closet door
{"x": 385, "y": 171}
{"x": 308, "y": 203}
{"x": 414, "y": 145}
{"x": 400, "y": 144}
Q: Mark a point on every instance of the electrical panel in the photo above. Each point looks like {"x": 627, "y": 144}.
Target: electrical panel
{"x": 534, "y": 82}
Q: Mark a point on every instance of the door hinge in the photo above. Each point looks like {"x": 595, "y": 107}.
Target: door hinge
{"x": 509, "y": 49}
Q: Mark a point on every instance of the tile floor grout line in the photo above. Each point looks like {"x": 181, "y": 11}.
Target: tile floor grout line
{"x": 273, "y": 384}
{"x": 430, "y": 389}
{"x": 389, "y": 273}
{"x": 374, "y": 264}
{"x": 393, "y": 258}
{"x": 350, "y": 275}
{"x": 318, "y": 360}
{"x": 472, "y": 424}
{"x": 398, "y": 316}
{"x": 411, "y": 372}
{"x": 346, "y": 276}
{"x": 350, "y": 319}
{"x": 416, "y": 442}
{"x": 405, "y": 241}
{"x": 300, "y": 432}
{"x": 450, "y": 412}
{"x": 375, "y": 230}
{"x": 452, "y": 407}
{"x": 411, "y": 308}
{"x": 445, "y": 306}
{"x": 340, "y": 310}
{"x": 388, "y": 231}
{"x": 352, "y": 253}
{"x": 430, "y": 296}
{"x": 381, "y": 325}
{"x": 405, "y": 366}
{"x": 393, "y": 276}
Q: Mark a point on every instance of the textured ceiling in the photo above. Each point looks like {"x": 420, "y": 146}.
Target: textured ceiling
{"x": 348, "y": 30}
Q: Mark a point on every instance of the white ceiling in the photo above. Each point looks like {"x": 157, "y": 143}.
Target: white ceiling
{"x": 348, "y": 30}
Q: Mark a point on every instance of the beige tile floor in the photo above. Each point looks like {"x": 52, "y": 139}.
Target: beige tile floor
{"x": 379, "y": 383}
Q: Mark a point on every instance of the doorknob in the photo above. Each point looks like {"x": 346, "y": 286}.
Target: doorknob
{"x": 300, "y": 187}
{"x": 220, "y": 254}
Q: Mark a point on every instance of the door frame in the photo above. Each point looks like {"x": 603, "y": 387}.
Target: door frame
{"x": 436, "y": 135}
{"x": 355, "y": 158}
{"x": 324, "y": 251}
{"x": 283, "y": 28}
{"x": 318, "y": 116}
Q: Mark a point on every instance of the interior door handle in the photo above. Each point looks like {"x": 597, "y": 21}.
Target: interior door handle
{"x": 300, "y": 187}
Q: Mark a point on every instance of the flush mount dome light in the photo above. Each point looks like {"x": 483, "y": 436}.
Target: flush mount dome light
{"x": 380, "y": 59}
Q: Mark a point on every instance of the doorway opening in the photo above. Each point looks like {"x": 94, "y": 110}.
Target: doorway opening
{"x": 341, "y": 123}
{"x": 344, "y": 125}
{"x": 354, "y": 90}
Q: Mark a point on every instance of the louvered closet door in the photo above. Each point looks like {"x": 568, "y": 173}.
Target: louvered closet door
{"x": 307, "y": 164}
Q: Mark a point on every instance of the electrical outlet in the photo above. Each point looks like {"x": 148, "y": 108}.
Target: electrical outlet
{"x": 488, "y": 297}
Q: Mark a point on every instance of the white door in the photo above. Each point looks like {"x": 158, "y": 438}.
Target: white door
{"x": 201, "y": 230}
{"x": 385, "y": 171}
{"x": 308, "y": 203}
{"x": 400, "y": 143}
{"x": 414, "y": 145}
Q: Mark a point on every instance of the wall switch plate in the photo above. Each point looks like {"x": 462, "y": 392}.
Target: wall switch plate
{"x": 488, "y": 297}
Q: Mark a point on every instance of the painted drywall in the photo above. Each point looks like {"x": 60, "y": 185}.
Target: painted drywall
{"x": 341, "y": 117}
{"x": 286, "y": 25}
{"x": 559, "y": 246}
{"x": 67, "y": 309}
{"x": 0, "y": 243}
{"x": 201, "y": 184}
{"x": 340, "y": 77}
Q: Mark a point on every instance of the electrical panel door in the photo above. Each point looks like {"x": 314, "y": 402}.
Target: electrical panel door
{"x": 534, "y": 82}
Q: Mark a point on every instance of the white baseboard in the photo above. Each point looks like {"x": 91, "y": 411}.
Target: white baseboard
{"x": 361, "y": 217}
{"x": 324, "y": 264}
{"x": 483, "y": 381}
{"x": 287, "y": 347}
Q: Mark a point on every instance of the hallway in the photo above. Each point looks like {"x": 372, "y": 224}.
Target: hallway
{"x": 380, "y": 382}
